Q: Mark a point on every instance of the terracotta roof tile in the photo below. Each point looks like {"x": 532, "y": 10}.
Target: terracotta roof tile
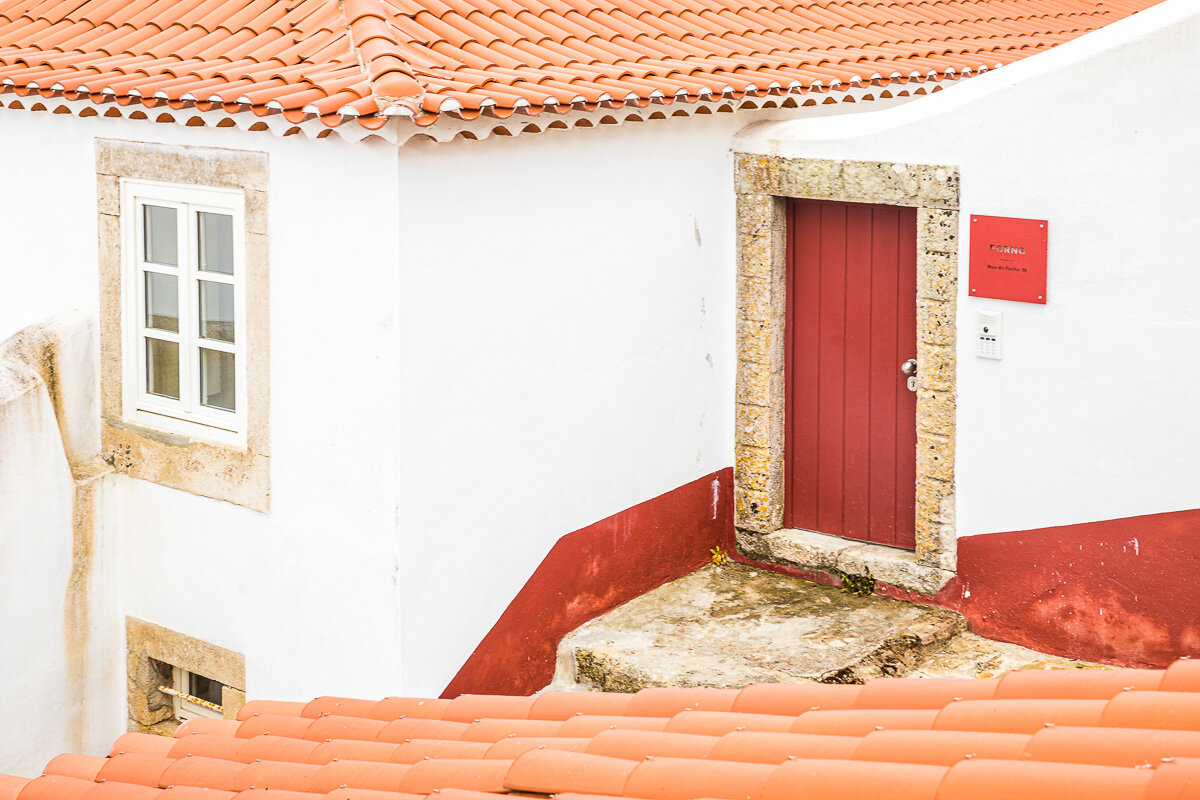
{"x": 931, "y": 693}
{"x": 1118, "y": 747}
{"x": 1172, "y": 710}
{"x": 1182, "y": 676}
{"x": 140, "y": 768}
{"x": 941, "y": 748}
{"x": 493, "y": 730}
{"x": 207, "y": 773}
{"x": 391, "y": 708}
{"x": 513, "y": 747}
{"x": 353, "y": 750}
{"x": 273, "y": 724}
{"x": 776, "y": 748}
{"x": 686, "y": 778}
{"x": 554, "y": 771}
{"x": 207, "y": 744}
{"x": 410, "y": 752}
{"x": 277, "y": 748}
{"x": 985, "y": 779}
{"x": 120, "y": 791}
{"x": 1029, "y": 684}
{"x": 853, "y": 780}
{"x": 332, "y": 726}
{"x": 413, "y": 728}
{"x": 142, "y": 743}
{"x": 1018, "y": 716}
{"x": 564, "y": 705}
{"x": 1066, "y": 735}
{"x": 449, "y": 773}
{"x": 70, "y": 765}
{"x": 55, "y": 787}
{"x": 11, "y": 786}
{"x": 359, "y": 775}
{"x": 376, "y": 55}
{"x": 639, "y": 744}
{"x": 861, "y": 721}
{"x": 792, "y": 699}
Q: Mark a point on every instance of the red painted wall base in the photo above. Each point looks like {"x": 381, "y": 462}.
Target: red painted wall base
{"x": 1124, "y": 591}
{"x": 592, "y": 571}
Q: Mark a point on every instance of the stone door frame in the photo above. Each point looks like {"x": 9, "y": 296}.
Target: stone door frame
{"x": 763, "y": 184}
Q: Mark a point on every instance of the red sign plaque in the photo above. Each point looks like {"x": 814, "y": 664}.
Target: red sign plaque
{"x": 1008, "y": 258}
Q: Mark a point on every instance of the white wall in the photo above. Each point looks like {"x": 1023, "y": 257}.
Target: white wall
{"x": 476, "y": 348}
{"x": 1091, "y": 415}
{"x": 567, "y": 353}
{"x": 61, "y": 664}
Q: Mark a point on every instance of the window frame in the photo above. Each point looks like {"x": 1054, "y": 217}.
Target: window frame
{"x": 185, "y": 709}
{"x": 186, "y": 416}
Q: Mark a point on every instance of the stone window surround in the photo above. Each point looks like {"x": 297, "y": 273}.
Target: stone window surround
{"x": 234, "y": 474}
{"x": 763, "y": 184}
{"x": 151, "y": 711}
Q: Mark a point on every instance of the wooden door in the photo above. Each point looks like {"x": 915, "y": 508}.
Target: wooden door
{"x": 851, "y": 323}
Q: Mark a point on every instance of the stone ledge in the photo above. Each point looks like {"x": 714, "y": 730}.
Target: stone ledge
{"x": 820, "y": 552}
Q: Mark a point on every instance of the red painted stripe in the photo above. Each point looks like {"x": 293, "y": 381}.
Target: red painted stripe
{"x": 592, "y": 571}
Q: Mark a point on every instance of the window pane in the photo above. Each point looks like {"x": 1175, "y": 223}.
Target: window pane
{"x": 216, "y": 311}
{"x": 162, "y": 302}
{"x": 162, "y": 368}
{"x": 216, "y": 379}
{"x": 216, "y": 242}
{"x": 162, "y": 235}
{"x": 204, "y": 688}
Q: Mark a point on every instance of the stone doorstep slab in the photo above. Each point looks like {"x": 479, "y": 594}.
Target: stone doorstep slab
{"x": 819, "y": 552}
{"x": 734, "y": 625}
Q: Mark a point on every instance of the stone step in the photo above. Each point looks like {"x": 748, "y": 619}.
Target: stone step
{"x": 733, "y": 625}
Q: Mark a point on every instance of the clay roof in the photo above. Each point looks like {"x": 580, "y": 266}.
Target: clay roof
{"x": 368, "y": 59}
{"x": 1119, "y": 734}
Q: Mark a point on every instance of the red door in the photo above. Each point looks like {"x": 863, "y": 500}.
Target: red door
{"x": 851, "y": 323}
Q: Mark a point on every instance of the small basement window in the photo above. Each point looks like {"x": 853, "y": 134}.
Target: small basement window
{"x": 195, "y": 695}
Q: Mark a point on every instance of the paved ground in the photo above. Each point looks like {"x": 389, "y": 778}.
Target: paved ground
{"x": 729, "y": 626}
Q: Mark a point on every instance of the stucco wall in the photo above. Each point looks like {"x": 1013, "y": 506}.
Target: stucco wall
{"x": 1091, "y": 413}
{"x": 476, "y": 349}
{"x": 567, "y": 353}
{"x": 60, "y": 647}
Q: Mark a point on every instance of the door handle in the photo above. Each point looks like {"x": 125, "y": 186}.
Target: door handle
{"x": 909, "y": 367}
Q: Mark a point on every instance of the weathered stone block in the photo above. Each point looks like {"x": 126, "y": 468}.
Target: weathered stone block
{"x": 937, "y": 276}
{"x": 935, "y": 322}
{"x": 756, "y": 509}
{"x": 757, "y": 341}
{"x": 939, "y": 186}
{"x": 813, "y": 177}
{"x": 755, "y": 174}
{"x": 108, "y": 194}
{"x": 935, "y": 412}
{"x": 755, "y": 427}
{"x": 206, "y": 166}
{"x": 937, "y": 230}
{"x": 757, "y": 254}
{"x": 876, "y": 182}
{"x": 752, "y": 468}
{"x": 935, "y": 456}
{"x": 937, "y": 367}
{"x": 757, "y": 214}
{"x": 256, "y": 211}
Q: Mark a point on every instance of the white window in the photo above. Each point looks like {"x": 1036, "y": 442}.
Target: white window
{"x": 184, "y": 320}
{"x": 195, "y": 695}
